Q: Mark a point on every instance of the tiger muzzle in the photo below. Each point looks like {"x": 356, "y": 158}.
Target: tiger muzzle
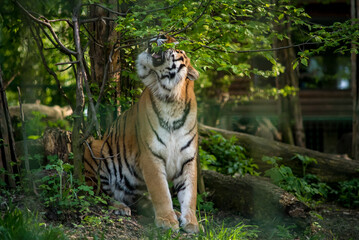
{"x": 158, "y": 57}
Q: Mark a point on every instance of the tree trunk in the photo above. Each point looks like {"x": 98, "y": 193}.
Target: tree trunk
{"x": 330, "y": 167}
{"x": 256, "y": 198}
{"x": 8, "y": 159}
{"x": 80, "y": 99}
{"x": 355, "y": 89}
{"x": 105, "y": 59}
{"x": 290, "y": 109}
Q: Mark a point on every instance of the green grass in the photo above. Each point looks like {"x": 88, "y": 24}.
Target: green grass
{"x": 18, "y": 224}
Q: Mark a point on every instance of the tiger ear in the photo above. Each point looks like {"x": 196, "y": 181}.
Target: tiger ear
{"x": 192, "y": 73}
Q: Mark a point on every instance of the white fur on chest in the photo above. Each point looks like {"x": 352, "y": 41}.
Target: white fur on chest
{"x": 175, "y": 156}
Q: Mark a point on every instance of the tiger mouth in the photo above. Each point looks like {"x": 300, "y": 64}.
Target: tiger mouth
{"x": 158, "y": 58}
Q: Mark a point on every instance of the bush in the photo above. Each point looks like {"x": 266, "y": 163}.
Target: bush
{"x": 62, "y": 192}
{"x": 225, "y": 156}
{"x": 17, "y": 224}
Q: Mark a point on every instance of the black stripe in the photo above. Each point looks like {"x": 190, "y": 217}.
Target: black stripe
{"x": 172, "y": 75}
{"x": 183, "y": 165}
{"x": 145, "y": 76}
{"x": 162, "y": 122}
{"x": 123, "y": 141}
{"x": 195, "y": 124}
{"x": 156, "y": 154}
{"x": 180, "y": 187}
{"x": 188, "y": 143}
{"x": 128, "y": 184}
{"x": 113, "y": 160}
{"x": 176, "y": 124}
{"x": 187, "y": 89}
{"x": 180, "y": 122}
{"x": 95, "y": 171}
{"x": 123, "y": 188}
{"x": 165, "y": 76}
{"x": 180, "y": 67}
{"x": 179, "y": 59}
{"x": 106, "y": 165}
{"x": 154, "y": 131}
{"x": 135, "y": 174}
{"x": 104, "y": 178}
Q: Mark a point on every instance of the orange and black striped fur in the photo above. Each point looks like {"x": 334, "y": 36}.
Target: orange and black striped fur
{"x": 154, "y": 142}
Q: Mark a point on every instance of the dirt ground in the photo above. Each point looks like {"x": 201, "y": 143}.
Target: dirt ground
{"x": 329, "y": 221}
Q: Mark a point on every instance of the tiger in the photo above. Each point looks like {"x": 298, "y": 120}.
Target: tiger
{"x": 154, "y": 143}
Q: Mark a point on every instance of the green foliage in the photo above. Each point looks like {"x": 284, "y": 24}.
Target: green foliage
{"x": 18, "y": 224}
{"x": 309, "y": 187}
{"x": 306, "y": 188}
{"x": 62, "y": 192}
{"x": 211, "y": 231}
{"x": 305, "y": 160}
{"x": 239, "y": 232}
{"x": 225, "y": 156}
{"x": 35, "y": 125}
{"x": 19, "y": 56}
{"x": 347, "y": 193}
{"x": 203, "y": 204}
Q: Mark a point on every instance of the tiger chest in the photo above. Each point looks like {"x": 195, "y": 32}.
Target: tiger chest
{"x": 178, "y": 147}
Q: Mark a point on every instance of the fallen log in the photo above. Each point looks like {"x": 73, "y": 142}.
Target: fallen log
{"x": 329, "y": 167}
{"x": 51, "y": 113}
{"x": 255, "y": 198}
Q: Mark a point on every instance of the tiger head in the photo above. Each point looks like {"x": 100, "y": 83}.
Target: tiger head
{"x": 165, "y": 72}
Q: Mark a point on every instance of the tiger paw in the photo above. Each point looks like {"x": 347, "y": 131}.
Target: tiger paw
{"x": 168, "y": 221}
{"x": 192, "y": 228}
{"x": 121, "y": 209}
{"x": 190, "y": 224}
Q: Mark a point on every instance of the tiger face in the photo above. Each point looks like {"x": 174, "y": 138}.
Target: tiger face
{"x": 165, "y": 72}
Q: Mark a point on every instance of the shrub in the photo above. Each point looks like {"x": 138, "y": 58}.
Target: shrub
{"x": 17, "y": 224}
{"x": 225, "y": 156}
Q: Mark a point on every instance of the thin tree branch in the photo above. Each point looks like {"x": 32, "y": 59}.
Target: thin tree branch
{"x": 82, "y": 74}
{"x": 48, "y": 69}
{"x": 194, "y": 21}
{"x": 103, "y": 7}
{"x": 262, "y": 50}
{"x": 92, "y": 37}
{"x": 91, "y": 20}
{"x": 105, "y": 78}
{"x": 48, "y": 25}
{"x": 10, "y": 80}
{"x": 65, "y": 63}
{"x": 63, "y": 70}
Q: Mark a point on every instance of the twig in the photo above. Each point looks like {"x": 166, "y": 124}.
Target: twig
{"x": 48, "y": 25}
{"x": 194, "y": 21}
{"x": 261, "y": 50}
{"x": 105, "y": 78}
{"x": 99, "y": 158}
{"x": 10, "y": 80}
{"x": 49, "y": 70}
{"x": 65, "y": 63}
{"x": 103, "y": 7}
{"x": 91, "y": 20}
{"x": 84, "y": 76}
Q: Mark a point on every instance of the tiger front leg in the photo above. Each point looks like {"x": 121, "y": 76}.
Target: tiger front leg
{"x": 155, "y": 177}
{"x": 186, "y": 188}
